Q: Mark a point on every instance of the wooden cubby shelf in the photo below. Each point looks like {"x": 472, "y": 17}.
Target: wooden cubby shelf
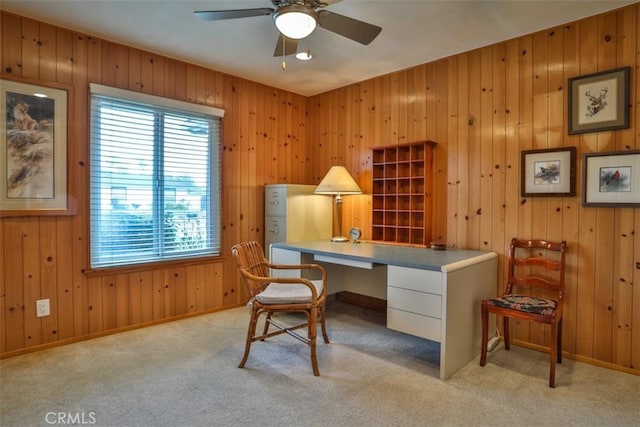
{"x": 402, "y": 193}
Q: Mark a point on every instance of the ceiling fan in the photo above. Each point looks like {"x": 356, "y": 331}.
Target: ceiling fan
{"x": 297, "y": 19}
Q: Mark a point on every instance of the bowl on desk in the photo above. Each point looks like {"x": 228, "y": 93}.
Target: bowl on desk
{"x": 438, "y": 246}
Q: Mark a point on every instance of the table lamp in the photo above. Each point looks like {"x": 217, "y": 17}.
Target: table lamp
{"x": 337, "y": 182}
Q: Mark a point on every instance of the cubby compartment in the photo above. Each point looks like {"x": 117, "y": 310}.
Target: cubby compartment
{"x": 404, "y": 219}
{"x": 403, "y": 235}
{"x": 390, "y": 170}
{"x": 404, "y": 186}
{"x": 378, "y": 202}
{"x": 402, "y": 193}
{"x": 404, "y": 203}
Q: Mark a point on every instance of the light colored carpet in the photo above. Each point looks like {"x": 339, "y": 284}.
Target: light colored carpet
{"x": 185, "y": 373}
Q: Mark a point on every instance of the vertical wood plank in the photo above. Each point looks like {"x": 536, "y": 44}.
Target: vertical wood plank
{"x": 587, "y": 244}
{"x": 64, "y": 281}
{"x": 31, "y": 277}
{"x": 604, "y": 281}
{"x": 159, "y": 283}
{"x": 474, "y": 152}
{"x": 109, "y": 64}
{"x": 49, "y": 276}
{"x": 485, "y": 214}
{"x": 146, "y": 296}
{"x": 47, "y": 43}
{"x": 122, "y": 300}
{"x": 77, "y": 153}
{"x": 463, "y": 164}
{"x": 571, "y": 205}
{"x": 540, "y": 126}
{"x": 14, "y": 295}
{"x": 178, "y": 277}
{"x": 453, "y": 156}
{"x": 135, "y": 299}
{"x": 11, "y": 44}
{"x": 95, "y": 304}
{"x": 525, "y": 138}
{"x": 30, "y": 63}
{"x": 64, "y": 57}
{"x": 109, "y": 302}
{"x": 499, "y": 152}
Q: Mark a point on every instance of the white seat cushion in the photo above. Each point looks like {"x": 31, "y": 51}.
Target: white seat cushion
{"x": 281, "y": 293}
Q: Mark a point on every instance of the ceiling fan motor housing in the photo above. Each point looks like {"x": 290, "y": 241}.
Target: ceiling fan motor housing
{"x": 295, "y": 21}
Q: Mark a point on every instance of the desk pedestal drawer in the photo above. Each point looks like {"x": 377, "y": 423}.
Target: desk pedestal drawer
{"x": 415, "y": 302}
{"x": 414, "y": 324}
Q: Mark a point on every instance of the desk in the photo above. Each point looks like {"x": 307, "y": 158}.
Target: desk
{"x": 430, "y": 294}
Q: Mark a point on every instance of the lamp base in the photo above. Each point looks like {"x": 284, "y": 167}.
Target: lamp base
{"x": 339, "y": 239}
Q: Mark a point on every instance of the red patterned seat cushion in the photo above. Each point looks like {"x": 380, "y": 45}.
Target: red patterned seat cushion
{"x": 543, "y": 306}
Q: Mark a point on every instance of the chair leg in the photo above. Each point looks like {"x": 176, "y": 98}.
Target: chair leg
{"x": 553, "y": 353}
{"x": 250, "y": 334}
{"x": 266, "y": 325}
{"x": 313, "y": 318}
{"x": 323, "y": 317}
{"x": 505, "y": 327}
{"x": 560, "y": 341}
{"x": 485, "y": 334}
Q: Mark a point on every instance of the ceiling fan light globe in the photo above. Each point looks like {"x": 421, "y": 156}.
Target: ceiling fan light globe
{"x": 295, "y": 21}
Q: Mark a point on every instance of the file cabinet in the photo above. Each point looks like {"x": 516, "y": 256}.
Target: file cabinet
{"x": 294, "y": 214}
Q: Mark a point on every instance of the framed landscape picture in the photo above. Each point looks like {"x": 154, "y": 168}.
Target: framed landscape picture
{"x": 611, "y": 179}
{"x": 33, "y": 149}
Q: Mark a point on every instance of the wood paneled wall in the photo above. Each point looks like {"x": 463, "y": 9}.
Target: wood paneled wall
{"x": 482, "y": 107}
{"x": 264, "y": 141}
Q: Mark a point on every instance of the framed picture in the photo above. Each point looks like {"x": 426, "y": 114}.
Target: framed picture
{"x": 611, "y": 179}
{"x": 33, "y": 149}
{"x": 599, "y": 101}
{"x": 548, "y": 172}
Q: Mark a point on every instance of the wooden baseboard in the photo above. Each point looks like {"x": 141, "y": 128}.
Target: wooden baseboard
{"x": 576, "y": 357}
{"x": 73, "y": 340}
{"x": 372, "y": 303}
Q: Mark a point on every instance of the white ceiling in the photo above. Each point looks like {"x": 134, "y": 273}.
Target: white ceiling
{"x": 414, "y": 32}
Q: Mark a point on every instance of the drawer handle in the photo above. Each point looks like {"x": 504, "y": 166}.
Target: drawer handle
{"x": 277, "y": 202}
{"x": 275, "y": 232}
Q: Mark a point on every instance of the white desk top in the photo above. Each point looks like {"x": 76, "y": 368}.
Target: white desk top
{"x": 380, "y": 253}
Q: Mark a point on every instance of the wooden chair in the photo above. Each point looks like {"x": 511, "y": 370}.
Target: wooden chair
{"x": 269, "y": 294}
{"x": 539, "y": 276}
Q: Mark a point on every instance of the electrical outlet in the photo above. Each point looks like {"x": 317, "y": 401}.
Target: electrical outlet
{"x": 42, "y": 308}
{"x": 493, "y": 342}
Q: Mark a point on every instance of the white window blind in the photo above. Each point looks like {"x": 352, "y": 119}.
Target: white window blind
{"x": 154, "y": 178}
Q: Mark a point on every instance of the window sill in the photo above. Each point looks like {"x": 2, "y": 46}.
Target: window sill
{"x": 133, "y": 268}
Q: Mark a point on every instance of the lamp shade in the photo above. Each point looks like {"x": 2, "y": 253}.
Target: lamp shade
{"x": 338, "y": 181}
{"x": 295, "y": 21}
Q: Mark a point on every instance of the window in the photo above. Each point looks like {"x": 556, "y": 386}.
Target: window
{"x": 154, "y": 180}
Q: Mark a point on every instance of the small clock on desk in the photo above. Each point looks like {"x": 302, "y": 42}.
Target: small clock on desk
{"x": 354, "y": 234}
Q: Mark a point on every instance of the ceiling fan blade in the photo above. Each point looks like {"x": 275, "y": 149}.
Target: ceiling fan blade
{"x": 353, "y": 29}
{"x": 290, "y": 46}
{"x": 216, "y": 15}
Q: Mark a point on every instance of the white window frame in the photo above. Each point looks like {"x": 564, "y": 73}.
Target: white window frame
{"x": 99, "y": 258}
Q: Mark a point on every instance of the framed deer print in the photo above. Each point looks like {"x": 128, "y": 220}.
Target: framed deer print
{"x": 599, "y": 101}
{"x": 33, "y": 148}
